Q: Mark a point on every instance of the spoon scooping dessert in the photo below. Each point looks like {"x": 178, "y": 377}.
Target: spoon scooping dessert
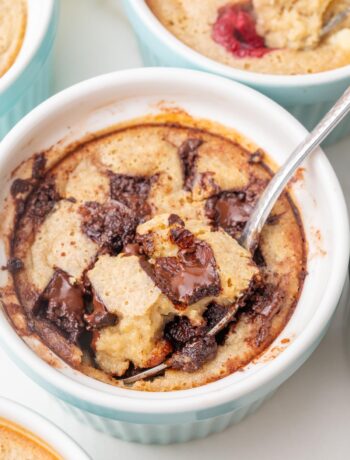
{"x": 252, "y": 230}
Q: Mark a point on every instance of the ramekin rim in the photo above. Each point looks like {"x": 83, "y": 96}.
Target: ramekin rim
{"x": 58, "y": 439}
{"x": 13, "y": 73}
{"x": 141, "y": 9}
{"x": 145, "y": 403}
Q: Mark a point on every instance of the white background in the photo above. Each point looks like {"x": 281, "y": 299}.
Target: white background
{"x": 309, "y": 417}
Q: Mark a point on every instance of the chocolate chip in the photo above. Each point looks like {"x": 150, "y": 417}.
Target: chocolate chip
{"x": 62, "y": 304}
{"x": 194, "y": 354}
{"x": 42, "y": 201}
{"x": 213, "y": 314}
{"x": 132, "y": 191}
{"x": 188, "y": 153}
{"x": 111, "y": 225}
{"x": 180, "y": 330}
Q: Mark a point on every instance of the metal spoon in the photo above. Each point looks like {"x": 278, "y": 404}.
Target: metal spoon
{"x": 252, "y": 230}
{"x": 335, "y": 21}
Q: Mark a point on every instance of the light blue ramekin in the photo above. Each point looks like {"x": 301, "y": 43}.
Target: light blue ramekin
{"x": 306, "y": 97}
{"x": 28, "y": 81}
{"x": 107, "y": 100}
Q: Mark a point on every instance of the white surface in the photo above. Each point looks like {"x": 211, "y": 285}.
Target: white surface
{"x": 309, "y": 417}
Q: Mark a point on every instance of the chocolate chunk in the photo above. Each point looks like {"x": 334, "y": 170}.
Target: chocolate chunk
{"x": 20, "y": 186}
{"x": 132, "y": 191}
{"x": 42, "y": 201}
{"x": 100, "y": 316}
{"x": 180, "y": 331}
{"x": 213, "y": 314}
{"x": 62, "y": 304}
{"x": 14, "y": 264}
{"x": 231, "y": 209}
{"x": 262, "y": 304}
{"x": 175, "y": 219}
{"x": 111, "y": 225}
{"x": 194, "y": 354}
{"x": 188, "y": 152}
{"x": 39, "y": 163}
{"x": 182, "y": 237}
{"x": 189, "y": 276}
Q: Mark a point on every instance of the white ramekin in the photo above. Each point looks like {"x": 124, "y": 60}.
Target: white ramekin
{"x": 179, "y": 416}
{"x": 26, "y": 418}
{"x": 307, "y": 97}
{"x": 28, "y": 81}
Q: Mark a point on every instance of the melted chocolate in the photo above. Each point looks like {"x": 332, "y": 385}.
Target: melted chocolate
{"x": 62, "y": 304}
{"x": 100, "y": 316}
{"x": 188, "y": 152}
{"x": 192, "y": 274}
{"x": 131, "y": 191}
{"x": 111, "y": 225}
{"x": 231, "y": 209}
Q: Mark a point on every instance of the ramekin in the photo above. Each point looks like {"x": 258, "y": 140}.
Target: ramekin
{"x": 53, "y": 436}
{"x": 115, "y": 98}
{"x": 28, "y": 80}
{"x": 307, "y": 97}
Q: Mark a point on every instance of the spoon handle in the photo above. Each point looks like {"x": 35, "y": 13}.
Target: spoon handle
{"x": 262, "y": 209}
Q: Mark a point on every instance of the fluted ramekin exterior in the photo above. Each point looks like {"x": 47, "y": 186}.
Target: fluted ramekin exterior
{"x": 170, "y": 429}
{"x": 163, "y": 433}
{"x": 33, "y": 85}
{"x": 308, "y": 103}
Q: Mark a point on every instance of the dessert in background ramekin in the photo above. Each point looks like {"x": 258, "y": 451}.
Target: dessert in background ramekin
{"x": 26, "y": 434}
{"x": 13, "y": 25}
{"x": 185, "y": 96}
{"x": 307, "y": 96}
{"x": 27, "y": 80}
{"x": 280, "y": 37}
